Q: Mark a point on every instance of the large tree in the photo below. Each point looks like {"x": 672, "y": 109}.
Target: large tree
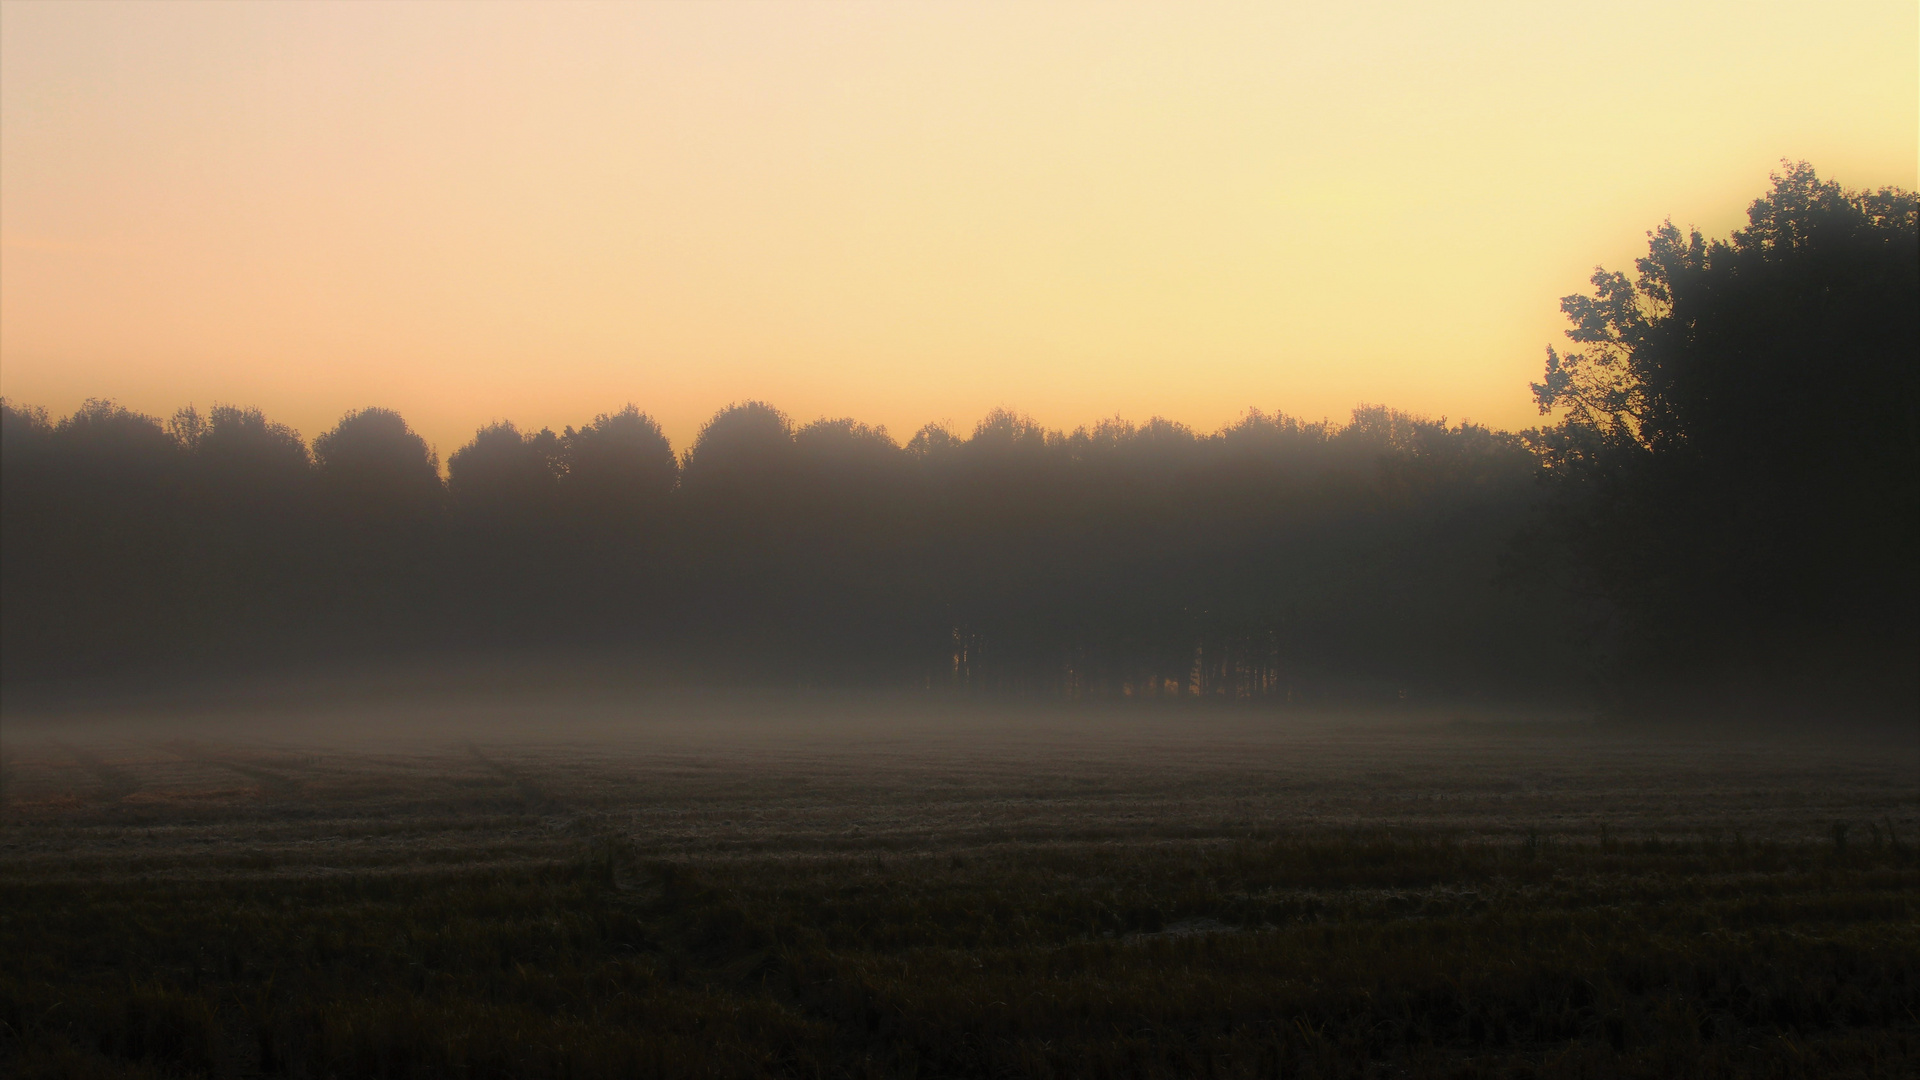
{"x": 1739, "y": 439}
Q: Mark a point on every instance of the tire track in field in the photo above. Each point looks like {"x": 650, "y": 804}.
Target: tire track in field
{"x": 271, "y": 782}
{"x": 115, "y": 783}
{"x": 531, "y": 794}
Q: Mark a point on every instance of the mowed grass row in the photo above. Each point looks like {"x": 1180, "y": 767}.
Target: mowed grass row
{"x": 1334, "y": 954}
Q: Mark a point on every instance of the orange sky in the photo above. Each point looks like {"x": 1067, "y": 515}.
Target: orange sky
{"x": 898, "y": 212}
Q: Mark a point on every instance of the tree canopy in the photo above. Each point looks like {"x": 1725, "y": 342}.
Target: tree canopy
{"x": 1738, "y": 444}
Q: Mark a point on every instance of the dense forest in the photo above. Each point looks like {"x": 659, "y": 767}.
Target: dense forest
{"x": 1729, "y": 487}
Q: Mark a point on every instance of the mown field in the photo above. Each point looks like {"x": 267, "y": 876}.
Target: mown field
{"x": 571, "y": 886}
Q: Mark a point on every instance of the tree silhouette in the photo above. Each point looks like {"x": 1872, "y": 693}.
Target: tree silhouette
{"x": 248, "y": 525}
{"x": 1741, "y": 432}
{"x": 93, "y": 561}
{"x": 749, "y": 443}
{"x": 619, "y": 458}
{"x": 502, "y": 470}
{"x": 376, "y": 461}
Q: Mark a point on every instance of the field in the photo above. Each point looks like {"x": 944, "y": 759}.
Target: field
{"x": 582, "y": 885}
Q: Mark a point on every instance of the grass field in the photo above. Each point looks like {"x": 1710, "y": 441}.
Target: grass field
{"x": 578, "y": 886}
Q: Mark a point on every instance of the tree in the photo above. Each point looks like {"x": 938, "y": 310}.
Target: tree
{"x": 503, "y": 470}
{"x": 1739, "y": 436}
{"x": 93, "y": 552}
{"x": 243, "y": 443}
{"x": 619, "y": 458}
{"x": 249, "y": 527}
{"x": 748, "y": 442}
{"x": 374, "y": 455}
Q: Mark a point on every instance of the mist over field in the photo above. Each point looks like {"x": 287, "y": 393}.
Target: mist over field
{"x": 545, "y": 874}
{"x": 1383, "y": 743}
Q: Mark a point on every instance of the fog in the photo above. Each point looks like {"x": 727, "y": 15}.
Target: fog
{"x": 573, "y": 741}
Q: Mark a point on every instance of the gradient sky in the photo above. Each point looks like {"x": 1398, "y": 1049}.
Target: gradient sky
{"x": 899, "y": 212}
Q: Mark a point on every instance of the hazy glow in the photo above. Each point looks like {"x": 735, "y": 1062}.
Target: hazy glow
{"x": 900, "y": 212}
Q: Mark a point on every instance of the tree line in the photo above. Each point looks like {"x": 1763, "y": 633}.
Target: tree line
{"x": 1273, "y": 557}
{"x": 1727, "y": 484}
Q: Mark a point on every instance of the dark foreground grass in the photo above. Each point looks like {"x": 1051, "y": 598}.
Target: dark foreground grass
{"x": 1330, "y": 954}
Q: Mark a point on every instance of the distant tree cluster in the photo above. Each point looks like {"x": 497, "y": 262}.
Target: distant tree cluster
{"x": 1271, "y": 559}
{"x": 1729, "y": 488}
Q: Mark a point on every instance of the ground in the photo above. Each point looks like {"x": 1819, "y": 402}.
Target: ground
{"x": 559, "y": 883}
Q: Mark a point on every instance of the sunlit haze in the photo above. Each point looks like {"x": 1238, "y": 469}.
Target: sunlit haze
{"x": 900, "y": 213}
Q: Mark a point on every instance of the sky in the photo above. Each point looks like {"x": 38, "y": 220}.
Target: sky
{"x": 903, "y": 213}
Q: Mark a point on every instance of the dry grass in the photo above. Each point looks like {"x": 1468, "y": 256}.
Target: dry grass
{"x": 569, "y": 884}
